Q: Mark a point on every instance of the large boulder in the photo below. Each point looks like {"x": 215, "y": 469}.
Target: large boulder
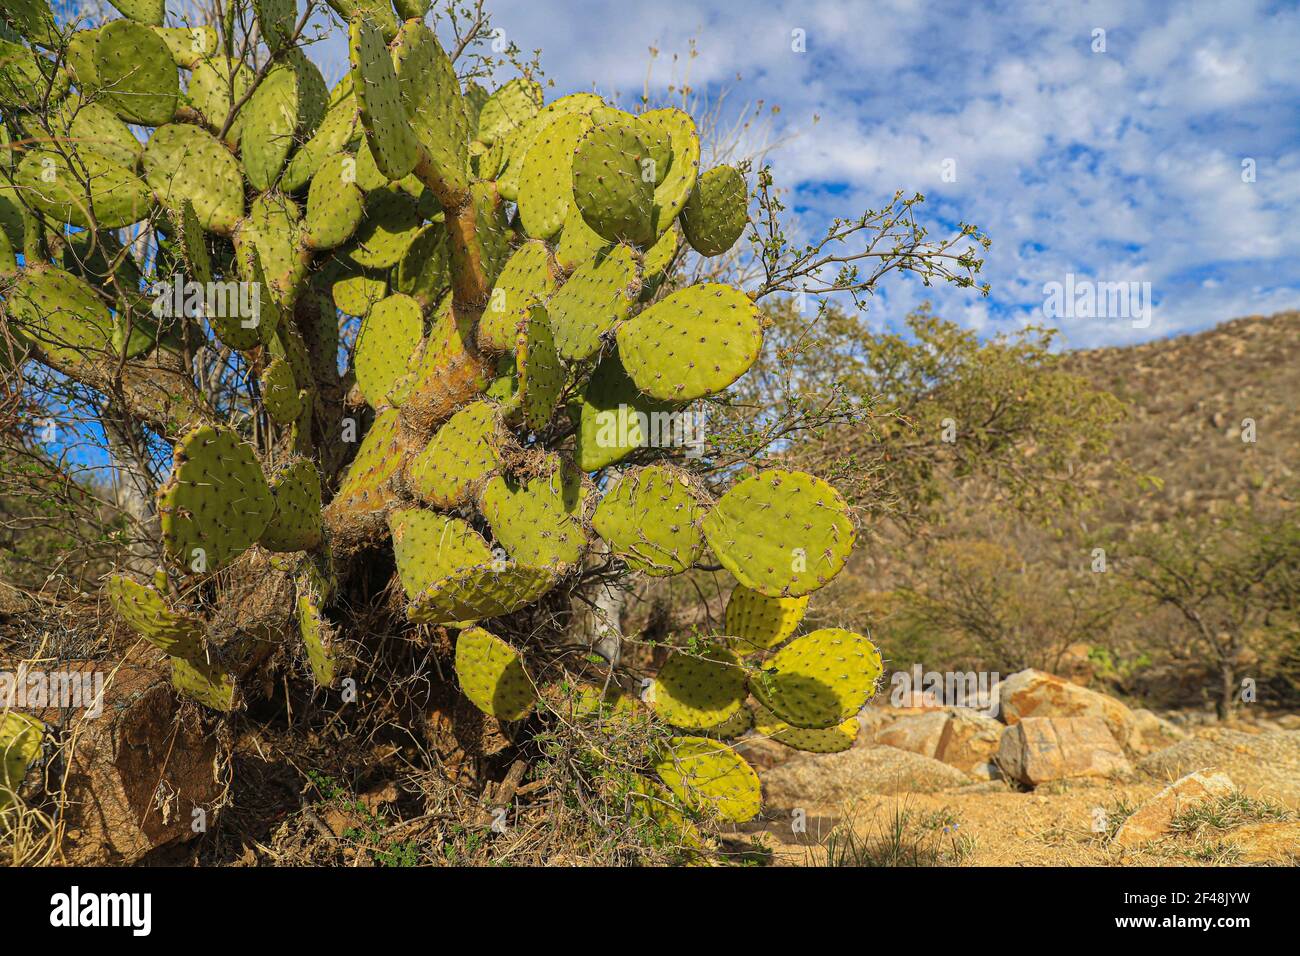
{"x": 826, "y": 780}
{"x": 1151, "y": 820}
{"x": 1264, "y": 765}
{"x": 1031, "y": 693}
{"x": 1036, "y": 750}
{"x": 919, "y": 733}
{"x": 970, "y": 742}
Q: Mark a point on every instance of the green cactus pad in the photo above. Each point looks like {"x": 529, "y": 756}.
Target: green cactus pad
{"x": 425, "y": 270}
{"x": 411, "y": 9}
{"x": 268, "y": 239}
{"x": 828, "y": 741}
{"x": 699, "y": 692}
{"x": 819, "y": 680}
{"x": 337, "y": 129}
{"x": 759, "y": 623}
{"x": 711, "y": 777}
{"x": 651, "y": 519}
{"x": 148, "y": 613}
{"x": 429, "y": 546}
{"x": 431, "y": 94}
{"x": 492, "y": 675}
{"x": 379, "y": 95}
{"x": 209, "y": 92}
{"x": 20, "y": 745}
{"x": 32, "y": 18}
{"x": 335, "y": 206}
{"x": 782, "y": 533}
{"x": 542, "y": 375}
{"x": 508, "y": 109}
{"x": 474, "y": 594}
{"x": 143, "y": 11}
{"x": 276, "y": 20}
{"x": 286, "y": 108}
{"x": 280, "y": 392}
{"x": 296, "y": 525}
{"x": 494, "y": 230}
{"x": 738, "y": 724}
{"x": 715, "y": 215}
{"x": 510, "y": 152}
{"x": 596, "y": 297}
{"x": 216, "y": 502}
{"x": 208, "y": 682}
{"x": 188, "y": 46}
{"x": 610, "y": 187}
{"x": 59, "y": 313}
{"x": 534, "y": 521}
{"x": 614, "y": 417}
{"x": 546, "y": 175}
{"x": 80, "y": 58}
{"x": 390, "y": 338}
{"x": 674, "y": 190}
{"x": 366, "y": 486}
{"x": 183, "y": 162}
{"x": 464, "y": 453}
{"x": 392, "y": 219}
{"x": 96, "y": 127}
{"x": 694, "y": 343}
{"x": 318, "y": 634}
{"x": 659, "y": 257}
{"x": 136, "y": 74}
{"x": 356, "y": 292}
{"x": 380, "y": 11}
{"x": 54, "y": 188}
{"x": 578, "y": 243}
{"x": 525, "y": 281}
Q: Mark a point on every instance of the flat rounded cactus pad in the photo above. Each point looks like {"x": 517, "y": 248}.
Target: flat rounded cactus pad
{"x": 356, "y": 292}
{"x": 578, "y": 243}
{"x": 464, "y": 453}
{"x": 80, "y": 58}
{"x": 593, "y": 300}
{"x": 152, "y": 12}
{"x": 534, "y": 521}
{"x": 280, "y": 394}
{"x": 296, "y": 525}
{"x": 32, "y": 18}
{"x": 715, "y": 215}
{"x": 424, "y": 271}
{"x": 209, "y": 92}
{"x": 366, "y": 485}
{"x": 335, "y": 206}
{"x": 492, "y": 675}
{"x": 651, "y": 519}
{"x": 474, "y": 594}
{"x": 389, "y": 226}
{"x": 699, "y": 691}
{"x": 379, "y": 95}
{"x": 546, "y": 175}
{"x": 674, "y": 190}
{"x": 431, "y": 94}
{"x": 390, "y": 337}
{"x": 828, "y": 741}
{"x": 611, "y": 187}
{"x": 758, "y": 623}
{"x": 54, "y": 188}
{"x": 694, "y": 343}
{"x": 287, "y": 106}
{"x": 276, "y": 20}
{"x": 149, "y": 614}
{"x": 136, "y": 73}
{"x": 268, "y": 239}
{"x": 542, "y": 375}
{"x": 20, "y": 746}
{"x": 188, "y": 46}
{"x": 782, "y": 533}
{"x": 614, "y": 417}
{"x": 216, "y": 503}
{"x": 508, "y": 109}
{"x": 660, "y": 256}
{"x": 335, "y": 132}
{"x": 819, "y": 680}
{"x": 525, "y": 281}
{"x": 208, "y": 682}
{"x": 710, "y": 776}
{"x": 183, "y": 162}
{"x": 27, "y": 76}
{"x": 429, "y": 546}
{"x": 96, "y": 127}
{"x": 59, "y": 313}
{"x": 319, "y": 637}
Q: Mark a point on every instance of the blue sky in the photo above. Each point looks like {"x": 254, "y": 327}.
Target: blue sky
{"x": 1123, "y": 165}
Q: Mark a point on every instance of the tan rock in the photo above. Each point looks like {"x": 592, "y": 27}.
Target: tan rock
{"x": 969, "y": 742}
{"x": 920, "y": 734}
{"x": 1152, "y": 732}
{"x": 1269, "y": 842}
{"x": 1032, "y": 693}
{"x": 1151, "y": 820}
{"x": 1261, "y": 765}
{"x": 817, "y": 780}
{"x": 1038, "y": 749}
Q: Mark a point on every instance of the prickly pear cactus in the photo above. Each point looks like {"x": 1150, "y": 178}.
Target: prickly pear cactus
{"x": 468, "y": 324}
